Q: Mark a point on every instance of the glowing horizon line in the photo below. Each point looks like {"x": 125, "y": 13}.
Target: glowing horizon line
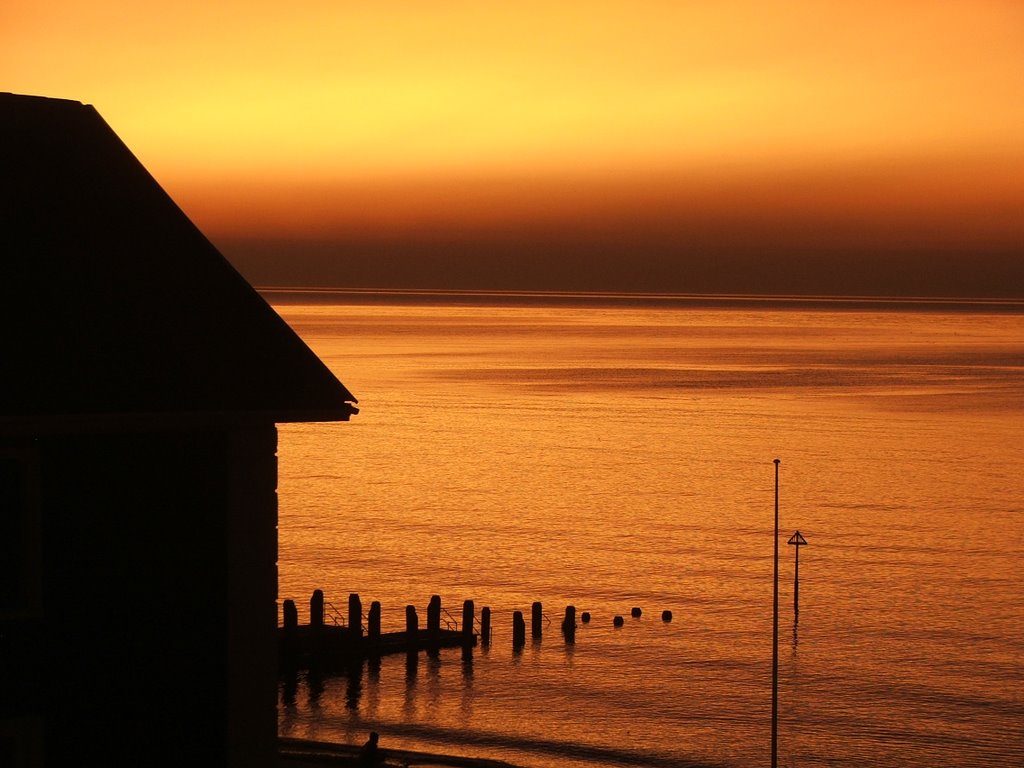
{"x": 646, "y": 295}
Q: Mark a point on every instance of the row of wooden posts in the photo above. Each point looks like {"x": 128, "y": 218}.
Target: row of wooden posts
{"x": 318, "y": 612}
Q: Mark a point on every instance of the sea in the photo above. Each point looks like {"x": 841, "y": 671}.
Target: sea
{"x": 618, "y": 454}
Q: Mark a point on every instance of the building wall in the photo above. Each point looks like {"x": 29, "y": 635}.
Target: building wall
{"x": 157, "y": 588}
{"x": 252, "y": 597}
{"x": 21, "y": 732}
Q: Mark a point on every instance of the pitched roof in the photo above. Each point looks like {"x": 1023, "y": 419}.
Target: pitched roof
{"x": 114, "y": 305}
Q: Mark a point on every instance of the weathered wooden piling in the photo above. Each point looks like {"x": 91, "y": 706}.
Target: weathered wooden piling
{"x": 289, "y": 633}
{"x": 636, "y": 613}
{"x": 485, "y": 626}
{"x": 518, "y": 630}
{"x": 291, "y": 615}
{"x": 618, "y": 621}
{"x": 536, "y": 619}
{"x": 434, "y": 615}
{"x": 569, "y": 623}
{"x": 373, "y": 621}
{"x": 412, "y": 621}
{"x": 316, "y": 608}
{"x": 354, "y": 640}
{"x": 585, "y": 617}
{"x": 355, "y": 615}
{"x": 666, "y": 615}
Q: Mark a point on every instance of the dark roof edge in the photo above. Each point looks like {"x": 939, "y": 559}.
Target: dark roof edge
{"x": 56, "y": 99}
{"x": 245, "y": 287}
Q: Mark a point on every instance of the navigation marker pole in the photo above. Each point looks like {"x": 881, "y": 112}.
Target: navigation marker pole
{"x": 775, "y": 631}
{"x": 797, "y": 541}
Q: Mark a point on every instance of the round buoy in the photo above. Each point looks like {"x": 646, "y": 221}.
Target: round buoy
{"x": 666, "y": 615}
{"x": 635, "y": 613}
{"x": 618, "y": 621}
{"x": 585, "y": 617}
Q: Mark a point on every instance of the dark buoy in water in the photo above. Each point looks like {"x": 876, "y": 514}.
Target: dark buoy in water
{"x": 666, "y": 615}
{"x": 618, "y": 621}
{"x": 585, "y": 617}
{"x": 636, "y": 613}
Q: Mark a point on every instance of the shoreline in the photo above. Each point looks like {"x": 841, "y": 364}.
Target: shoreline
{"x": 303, "y": 753}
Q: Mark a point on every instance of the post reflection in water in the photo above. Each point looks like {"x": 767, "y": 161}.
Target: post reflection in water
{"x": 433, "y": 680}
{"x": 412, "y": 661}
{"x": 466, "y": 699}
{"x": 373, "y": 688}
{"x": 364, "y": 683}
{"x": 289, "y": 689}
{"x": 354, "y": 689}
{"x": 314, "y": 689}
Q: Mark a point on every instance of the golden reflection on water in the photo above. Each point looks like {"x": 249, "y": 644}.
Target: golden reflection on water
{"x": 616, "y": 457}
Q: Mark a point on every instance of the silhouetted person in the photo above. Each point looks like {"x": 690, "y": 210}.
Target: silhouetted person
{"x": 371, "y": 754}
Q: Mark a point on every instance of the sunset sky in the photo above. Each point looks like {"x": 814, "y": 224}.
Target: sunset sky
{"x": 744, "y": 146}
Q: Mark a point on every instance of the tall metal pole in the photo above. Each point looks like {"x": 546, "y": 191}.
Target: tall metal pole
{"x": 775, "y": 631}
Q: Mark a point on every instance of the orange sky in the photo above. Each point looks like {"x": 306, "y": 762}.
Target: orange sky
{"x": 686, "y": 128}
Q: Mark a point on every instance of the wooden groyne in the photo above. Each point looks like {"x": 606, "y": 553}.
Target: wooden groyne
{"x": 332, "y": 641}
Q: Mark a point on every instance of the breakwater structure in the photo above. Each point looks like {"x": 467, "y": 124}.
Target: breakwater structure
{"x": 332, "y": 640}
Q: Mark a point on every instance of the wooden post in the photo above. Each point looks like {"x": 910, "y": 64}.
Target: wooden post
{"x": 434, "y": 615}
{"x": 536, "y": 617}
{"x": 288, "y": 640}
{"x": 485, "y": 626}
{"x": 518, "y": 630}
{"x": 569, "y": 623}
{"x": 373, "y": 621}
{"x": 468, "y": 617}
{"x": 291, "y": 615}
{"x": 316, "y": 608}
{"x": 412, "y": 622}
{"x": 355, "y": 615}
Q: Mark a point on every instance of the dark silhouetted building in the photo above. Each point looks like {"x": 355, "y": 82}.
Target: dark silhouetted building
{"x": 140, "y": 385}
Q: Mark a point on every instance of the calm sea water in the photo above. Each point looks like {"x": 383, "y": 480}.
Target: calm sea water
{"x": 621, "y": 457}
